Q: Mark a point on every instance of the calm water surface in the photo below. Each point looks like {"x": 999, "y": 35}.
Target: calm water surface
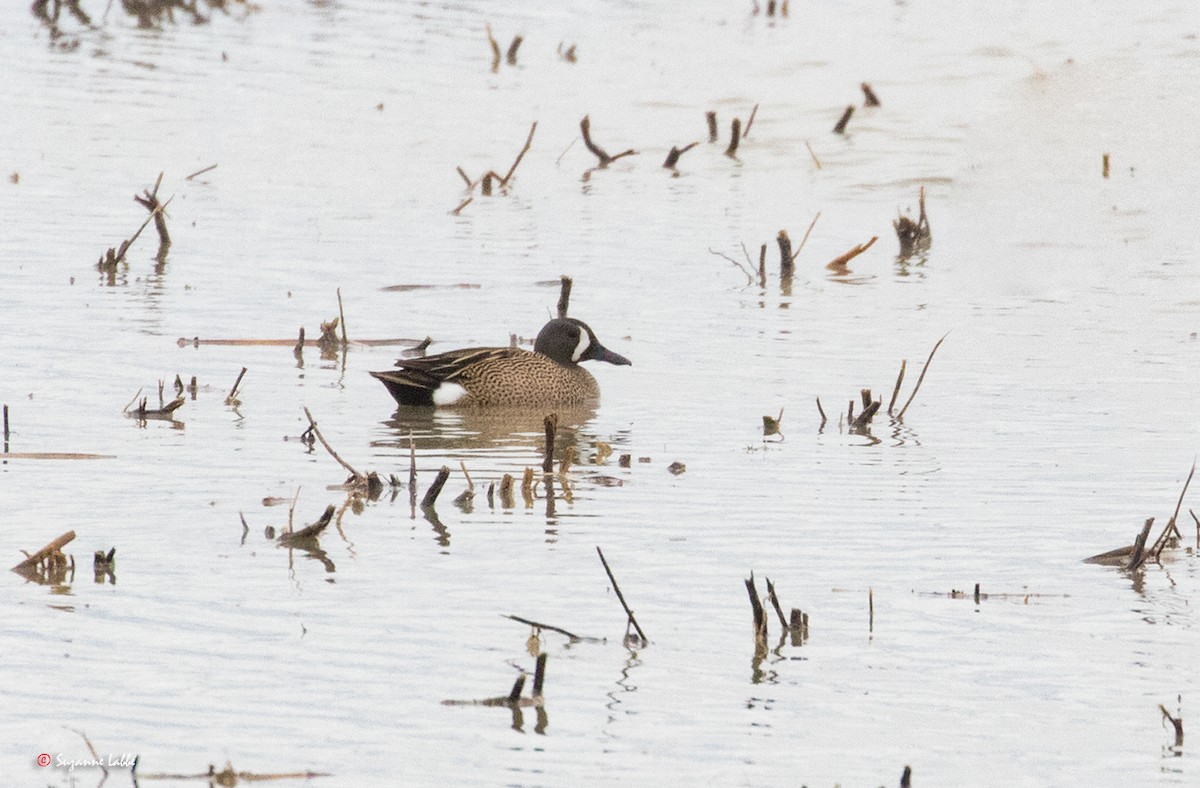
{"x": 1055, "y": 418}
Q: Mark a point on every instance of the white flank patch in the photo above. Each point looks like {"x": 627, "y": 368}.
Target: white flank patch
{"x": 584, "y": 341}
{"x": 448, "y": 394}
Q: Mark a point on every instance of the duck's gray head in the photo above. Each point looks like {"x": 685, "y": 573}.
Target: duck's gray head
{"x": 569, "y": 341}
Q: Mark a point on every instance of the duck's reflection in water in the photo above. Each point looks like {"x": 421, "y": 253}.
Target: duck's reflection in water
{"x": 514, "y": 434}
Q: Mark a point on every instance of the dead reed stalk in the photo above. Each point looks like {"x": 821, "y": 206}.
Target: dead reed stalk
{"x": 840, "y": 128}
{"x": 839, "y": 264}
{"x": 735, "y": 137}
{"x": 564, "y": 295}
{"x": 914, "y": 237}
{"x": 921, "y": 377}
{"x": 435, "y": 489}
{"x": 585, "y": 127}
{"x": 631, "y": 620}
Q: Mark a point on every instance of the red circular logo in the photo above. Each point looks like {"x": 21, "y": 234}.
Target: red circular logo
{"x": 44, "y": 759}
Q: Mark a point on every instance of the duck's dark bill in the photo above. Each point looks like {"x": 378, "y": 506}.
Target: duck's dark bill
{"x": 598, "y": 352}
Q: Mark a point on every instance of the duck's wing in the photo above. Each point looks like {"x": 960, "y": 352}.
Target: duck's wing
{"x": 415, "y": 379}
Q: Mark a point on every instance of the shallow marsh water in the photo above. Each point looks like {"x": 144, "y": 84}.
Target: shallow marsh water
{"x": 1055, "y": 418}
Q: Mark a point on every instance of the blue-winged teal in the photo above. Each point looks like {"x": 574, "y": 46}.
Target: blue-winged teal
{"x": 550, "y": 375}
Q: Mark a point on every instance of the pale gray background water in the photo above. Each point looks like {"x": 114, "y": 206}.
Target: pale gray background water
{"x": 1057, "y": 415}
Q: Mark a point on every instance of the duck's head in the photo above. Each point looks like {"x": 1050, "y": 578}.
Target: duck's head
{"x": 569, "y": 341}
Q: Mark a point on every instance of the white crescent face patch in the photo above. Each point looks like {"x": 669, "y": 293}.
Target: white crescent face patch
{"x": 584, "y": 342}
{"x": 448, "y": 394}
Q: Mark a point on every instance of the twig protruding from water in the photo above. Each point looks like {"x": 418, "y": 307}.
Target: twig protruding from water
{"x": 921, "y": 377}
{"x": 675, "y": 153}
{"x": 839, "y": 264}
{"x": 711, "y": 117}
{"x": 435, "y": 489}
{"x": 550, "y": 423}
{"x": 232, "y": 398}
{"x": 760, "y": 618}
{"x": 735, "y": 137}
{"x": 1176, "y": 723}
{"x": 915, "y": 236}
{"x": 149, "y": 200}
{"x": 896, "y": 390}
{"x": 54, "y": 548}
{"x": 786, "y": 259}
{"x": 314, "y": 430}
{"x": 585, "y": 127}
{"x": 870, "y": 99}
{"x": 564, "y": 295}
{"x": 617, "y": 589}
{"x": 840, "y": 128}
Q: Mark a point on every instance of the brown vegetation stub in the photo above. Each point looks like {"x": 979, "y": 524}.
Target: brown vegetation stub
{"x": 232, "y": 398}
{"x": 495, "y": 49}
{"x": 209, "y": 168}
{"x": 342, "y": 318}
{"x": 735, "y": 137}
{"x": 675, "y": 153}
{"x": 312, "y": 426}
{"x": 1176, "y": 723}
{"x": 840, "y": 128}
{"x": 896, "y": 390}
{"x": 506, "y": 491}
{"x": 585, "y": 128}
{"x": 813, "y": 154}
{"x": 113, "y": 256}
{"x": 921, "y": 377}
{"x": 775, "y": 604}
{"x": 550, "y": 628}
{"x": 771, "y": 425}
{"x": 839, "y": 264}
{"x": 511, "y": 56}
{"x": 1138, "y": 556}
{"x": 564, "y": 295}
{"x": 1104, "y": 166}
{"x": 870, "y": 99}
{"x": 291, "y": 538}
{"x": 711, "y": 118}
{"x": 550, "y": 423}
{"x": 149, "y": 200}
{"x": 55, "y": 546}
{"x": 807, "y": 233}
{"x": 760, "y": 617}
{"x": 617, "y": 589}
{"x": 870, "y": 609}
{"x": 786, "y": 266}
{"x": 914, "y": 237}
{"x": 435, "y": 489}
{"x": 822, "y": 412}
{"x": 750, "y": 122}
{"x": 525, "y": 149}
{"x": 539, "y": 675}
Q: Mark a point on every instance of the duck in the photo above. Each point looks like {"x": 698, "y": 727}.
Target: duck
{"x": 506, "y": 376}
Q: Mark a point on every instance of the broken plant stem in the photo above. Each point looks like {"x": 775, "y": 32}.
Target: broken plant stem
{"x": 921, "y": 377}
{"x": 807, "y": 232}
{"x": 621, "y": 597}
{"x": 528, "y": 141}
{"x": 312, "y": 425}
{"x": 564, "y": 295}
{"x": 585, "y": 127}
{"x": 838, "y": 264}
